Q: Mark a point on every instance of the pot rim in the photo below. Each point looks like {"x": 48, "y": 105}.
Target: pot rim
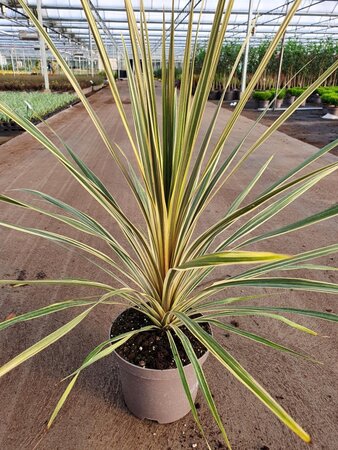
{"x": 132, "y": 366}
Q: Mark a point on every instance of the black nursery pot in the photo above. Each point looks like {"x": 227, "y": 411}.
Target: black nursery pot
{"x": 228, "y": 96}
{"x": 215, "y": 95}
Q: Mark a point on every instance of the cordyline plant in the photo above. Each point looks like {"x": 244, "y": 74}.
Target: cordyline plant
{"x": 174, "y": 182}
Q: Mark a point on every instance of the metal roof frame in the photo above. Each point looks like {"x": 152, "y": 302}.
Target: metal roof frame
{"x": 315, "y": 20}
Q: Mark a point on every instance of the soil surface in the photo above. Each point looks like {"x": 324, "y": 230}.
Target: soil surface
{"x": 306, "y": 125}
{"x": 151, "y": 349}
{"x": 95, "y": 416}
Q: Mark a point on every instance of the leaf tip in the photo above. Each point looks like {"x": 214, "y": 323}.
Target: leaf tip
{"x": 307, "y": 438}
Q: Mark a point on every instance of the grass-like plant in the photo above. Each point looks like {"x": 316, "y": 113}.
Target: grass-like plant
{"x": 330, "y": 97}
{"x": 325, "y": 89}
{"x": 175, "y": 179}
{"x": 59, "y": 83}
{"x": 34, "y": 104}
{"x": 262, "y": 95}
{"x": 295, "y": 91}
{"x": 281, "y": 93}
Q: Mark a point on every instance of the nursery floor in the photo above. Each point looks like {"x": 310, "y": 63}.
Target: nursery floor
{"x": 95, "y": 417}
{"x": 305, "y": 124}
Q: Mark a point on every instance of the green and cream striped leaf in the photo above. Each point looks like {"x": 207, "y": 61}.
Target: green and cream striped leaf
{"x": 206, "y": 238}
{"x": 202, "y": 383}
{"x": 43, "y": 343}
{"x": 209, "y": 235}
{"x": 256, "y": 338}
{"x": 89, "y": 360}
{"x": 63, "y": 282}
{"x": 310, "y": 220}
{"x": 238, "y": 312}
{"x": 106, "y": 348}
{"x": 276, "y": 207}
{"x": 231, "y": 257}
{"x": 293, "y": 261}
{"x": 134, "y": 236}
{"x": 192, "y": 128}
{"x": 68, "y": 72}
{"x": 279, "y": 283}
{"x": 331, "y": 317}
{"x": 53, "y": 337}
{"x": 71, "y": 77}
{"x": 186, "y": 388}
{"x": 242, "y": 196}
{"x": 311, "y": 267}
{"x": 287, "y": 113}
{"x": 280, "y": 120}
{"x": 62, "y": 400}
{"x": 61, "y": 239}
{"x": 204, "y": 192}
{"x": 308, "y": 161}
{"x": 249, "y": 89}
{"x": 231, "y": 364}
{"x": 108, "y": 69}
{"x": 225, "y": 301}
{"x": 86, "y": 224}
{"x": 46, "y": 310}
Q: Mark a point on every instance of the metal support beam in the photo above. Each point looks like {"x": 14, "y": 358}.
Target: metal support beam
{"x": 12, "y": 61}
{"x": 91, "y": 53}
{"x": 120, "y": 25}
{"x": 280, "y": 65}
{"x": 246, "y": 53}
{"x": 238, "y": 12}
{"x": 44, "y": 69}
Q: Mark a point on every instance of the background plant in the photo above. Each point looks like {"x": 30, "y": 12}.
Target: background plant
{"x": 262, "y": 95}
{"x": 56, "y": 82}
{"x": 174, "y": 180}
{"x": 295, "y": 91}
{"x": 331, "y": 98}
{"x": 280, "y": 95}
{"x": 39, "y": 103}
{"x": 308, "y": 59}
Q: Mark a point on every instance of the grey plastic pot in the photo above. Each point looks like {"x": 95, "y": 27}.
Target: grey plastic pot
{"x": 157, "y": 394}
{"x": 315, "y": 98}
{"x": 291, "y": 99}
{"x": 333, "y": 110}
{"x": 279, "y": 102}
{"x": 263, "y": 103}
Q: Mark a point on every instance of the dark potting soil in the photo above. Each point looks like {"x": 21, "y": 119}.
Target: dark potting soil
{"x": 151, "y": 349}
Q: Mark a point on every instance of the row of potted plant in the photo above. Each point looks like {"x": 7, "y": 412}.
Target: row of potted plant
{"x": 326, "y": 95}
{"x": 33, "y": 105}
{"x": 302, "y": 62}
{"x": 263, "y": 98}
{"x": 330, "y": 99}
{"x": 58, "y": 83}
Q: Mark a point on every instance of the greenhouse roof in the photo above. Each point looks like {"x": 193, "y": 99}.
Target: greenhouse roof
{"x": 315, "y": 20}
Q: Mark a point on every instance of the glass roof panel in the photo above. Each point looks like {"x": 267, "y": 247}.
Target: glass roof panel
{"x": 314, "y": 20}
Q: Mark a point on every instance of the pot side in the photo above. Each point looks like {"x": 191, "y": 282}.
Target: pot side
{"x": 332, "y": 110}
{"x": 157, "y": 394}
